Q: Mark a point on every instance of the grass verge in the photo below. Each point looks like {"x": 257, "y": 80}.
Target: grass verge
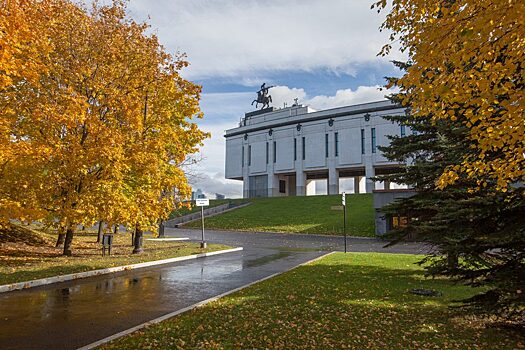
{"x": 312, "y": 214}
{"x": 36, "y": 257}
{"x": 352, "y": 301}
{"x": 213, "y": 203}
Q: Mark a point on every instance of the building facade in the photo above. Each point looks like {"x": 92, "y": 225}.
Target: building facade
{"x": 279, "y": 152}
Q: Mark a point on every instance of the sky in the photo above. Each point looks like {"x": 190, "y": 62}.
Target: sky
{"x": 323, "y": 52}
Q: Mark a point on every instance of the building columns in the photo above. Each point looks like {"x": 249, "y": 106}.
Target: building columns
{"x": 357, "y": 180}
{"x": 333, "y": 181}
{"x": 245, "y": 173}
{"x": 369, "y": 173}
{"x": 273, "y": 185}
{"x": 300, "y": 181}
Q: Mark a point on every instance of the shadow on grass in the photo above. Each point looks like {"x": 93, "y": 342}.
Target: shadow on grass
{"x": 325, "y": 306}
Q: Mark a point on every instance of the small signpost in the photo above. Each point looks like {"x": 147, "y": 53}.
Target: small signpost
{"x": 343, "y": 201}
{"x": 107, "y": 242}
{"x": 202, "y": 202}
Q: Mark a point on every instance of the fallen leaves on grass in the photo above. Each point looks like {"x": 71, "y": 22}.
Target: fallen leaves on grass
{"x": 353, "y": 301}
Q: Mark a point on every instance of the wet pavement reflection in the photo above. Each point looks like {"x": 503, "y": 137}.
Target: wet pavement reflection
{"x": 73, "y": 314}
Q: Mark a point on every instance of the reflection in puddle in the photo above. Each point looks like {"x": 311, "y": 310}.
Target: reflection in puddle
{"x": 266, "y": 259}
{"x": 206, "y": 271}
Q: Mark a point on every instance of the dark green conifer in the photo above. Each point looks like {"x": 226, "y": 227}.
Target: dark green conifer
{"x": 478, "y": 233}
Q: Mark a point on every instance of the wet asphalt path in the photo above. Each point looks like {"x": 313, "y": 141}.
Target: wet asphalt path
{"x": 73, "y": 314}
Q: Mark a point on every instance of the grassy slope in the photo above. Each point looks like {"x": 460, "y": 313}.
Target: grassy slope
{"x": 357, "y": 301}
{"x": 194, "y": 208}
{"x": 25, "y": 258}
{"x": 310, "y": 214}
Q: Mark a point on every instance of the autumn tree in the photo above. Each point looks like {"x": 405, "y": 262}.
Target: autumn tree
{"x": 82, "y": 119}
{"x": 464, "y": 86}
{"x": 22, "y": 46}
{"x": 478, "y": 236}
{"x": 467, "y": 60}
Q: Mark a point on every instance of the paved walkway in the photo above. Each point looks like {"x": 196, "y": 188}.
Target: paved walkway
{"x": 73, "y": 314}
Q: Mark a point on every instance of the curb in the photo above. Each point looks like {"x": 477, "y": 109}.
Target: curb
{"x": 167, "y": 239}
{"x": 64, "y": 278}
{"x": 364, "y": 238}
{"x": 191, "y": 307}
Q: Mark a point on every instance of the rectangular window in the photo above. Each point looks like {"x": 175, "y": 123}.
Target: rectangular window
{"x": 294, "y": 149}
{"x": 304, "y": 148}
{"x": 267, "y": 153}
{"x": 403, "y": 131}
{"x": 282, "y": 186}
{"x": 336, "y": 135}
{"x": 274, "y": 151}
{"x": 362, "y": 141}
{"x": 242, "y": 156}
{"x": 326, "y": 145}
{"x": 249, "y": 155}
{"x": 373, "y": 140}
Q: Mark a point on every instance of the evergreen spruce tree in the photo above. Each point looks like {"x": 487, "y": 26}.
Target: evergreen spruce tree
{"x": 478, "y": 233}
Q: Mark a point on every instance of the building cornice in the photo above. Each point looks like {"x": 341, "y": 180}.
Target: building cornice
{"x": 319, "y": 115}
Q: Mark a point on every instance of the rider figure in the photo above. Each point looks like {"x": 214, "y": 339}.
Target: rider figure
{"x": 264, "y": 90}
{"x": 263, "y": 96}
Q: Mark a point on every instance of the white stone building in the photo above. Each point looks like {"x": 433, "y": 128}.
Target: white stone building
{"x": 280, "y": 152}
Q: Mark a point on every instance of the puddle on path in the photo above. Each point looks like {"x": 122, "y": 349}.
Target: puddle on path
{"x": 300, "y": 249}
{"x": 266, "y": 259}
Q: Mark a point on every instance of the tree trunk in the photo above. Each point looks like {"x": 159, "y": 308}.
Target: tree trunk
{"x": 68, "y": 241}
{"x": 99, "y": 234}
{"x": 161, "y": 229}
{"x": 60, "y": 240}
{"x": 138, "y": 241}
{"x": 132, "y": 238}
{"x": 452, "y": 261}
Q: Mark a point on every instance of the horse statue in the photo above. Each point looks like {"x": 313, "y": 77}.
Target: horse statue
{"x": 263, "y": 97}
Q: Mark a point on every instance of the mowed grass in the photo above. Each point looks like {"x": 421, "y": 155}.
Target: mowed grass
{"x": 22, "y": 262}
{"x": 310, "y": 214}
{"x": 352, "y": 301}
{"x": 213, "y": 203}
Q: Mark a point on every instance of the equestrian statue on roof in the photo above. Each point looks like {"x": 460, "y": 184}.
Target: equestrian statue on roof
{"x": 263, "y": 96}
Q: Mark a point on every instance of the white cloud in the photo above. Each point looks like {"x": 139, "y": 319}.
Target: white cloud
{"x": 238, "y": 37}
{"x": 212, "y": 184}
{"x": 208, "y": 173}
{"x": 363, "y": 94}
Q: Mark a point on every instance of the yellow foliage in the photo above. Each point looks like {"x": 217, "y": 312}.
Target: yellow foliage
{"x": 99, "y": 125}
{"x": 473, "y": 52}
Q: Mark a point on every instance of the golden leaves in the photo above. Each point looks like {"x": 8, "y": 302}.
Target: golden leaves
{"x": 474, "y": 52}
{"x": 97, "y": 118}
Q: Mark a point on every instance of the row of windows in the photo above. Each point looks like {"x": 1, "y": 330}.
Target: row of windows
{"x": 327, "y": 153}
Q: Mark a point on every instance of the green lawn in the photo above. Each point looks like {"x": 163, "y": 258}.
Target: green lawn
{"x": 353, "y": 301}
{"x": 194, "y": 208}
{"x": 310, "y": 214}
{"x": 22, "y": 262}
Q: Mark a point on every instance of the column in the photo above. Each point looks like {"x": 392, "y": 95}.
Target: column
{"x": 357, "y": 180}
{"x": 369, "y": 173}
{"x": 245, "y": 175}
{"x": 273, "y": 185}
{"x": 245, "y": 185}
{"x": 333, "y": 181}
{"x": 300, "y": 183}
